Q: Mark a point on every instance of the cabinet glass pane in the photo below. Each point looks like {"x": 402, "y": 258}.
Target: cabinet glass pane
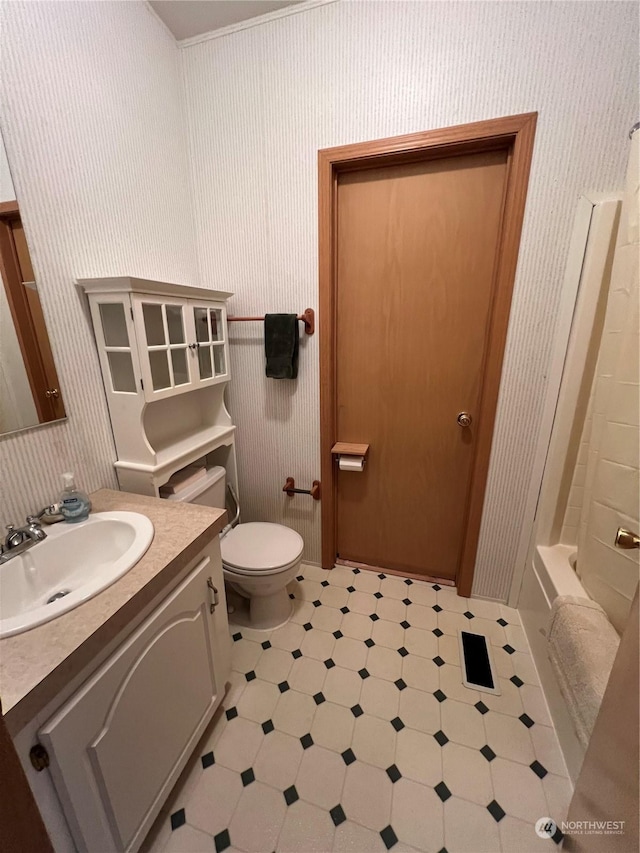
{"x": 121, "y": 367}
{"x": 216, "y": 325}
{"x": 202, "y": 324}
{"x": 159, "y": 369}
{"x": 175, "y": 324}
{"x": 204, "y": 363}
{"x": 179, "y": 362}
{"x": 153, "y": 324}
{"x": 219, "y": 361}
{"x": 114, "y": 324}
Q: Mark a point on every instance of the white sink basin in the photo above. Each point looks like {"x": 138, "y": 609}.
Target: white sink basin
{"x": 78, "y": 560}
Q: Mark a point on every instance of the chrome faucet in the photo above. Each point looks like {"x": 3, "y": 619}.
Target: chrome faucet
{"x": 33, "y": 529}
{"x": 20, "y": 539}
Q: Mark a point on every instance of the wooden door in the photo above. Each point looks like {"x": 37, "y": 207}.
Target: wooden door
{"x": 418, "y": 248}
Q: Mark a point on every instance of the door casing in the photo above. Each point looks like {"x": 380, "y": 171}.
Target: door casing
{"x": 515, "y": 134}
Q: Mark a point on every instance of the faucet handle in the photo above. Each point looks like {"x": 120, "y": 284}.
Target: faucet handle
{"x": 13, "y": 538}
{"x": 33, "y": 519}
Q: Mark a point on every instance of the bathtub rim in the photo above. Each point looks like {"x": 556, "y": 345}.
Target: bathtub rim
{"x": 556, "y": 575}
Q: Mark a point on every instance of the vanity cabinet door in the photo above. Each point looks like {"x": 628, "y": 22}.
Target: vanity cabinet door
{"x": 118, "y": 746}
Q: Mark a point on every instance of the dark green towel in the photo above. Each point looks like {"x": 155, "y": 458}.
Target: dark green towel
{"x": 281, "y": 341}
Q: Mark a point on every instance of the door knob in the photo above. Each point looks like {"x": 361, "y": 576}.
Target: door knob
{"x": 626, "y": 539}
{"x": 464, "y": 419}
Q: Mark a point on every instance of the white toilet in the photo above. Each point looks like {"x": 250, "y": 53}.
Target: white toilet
{"x": 259, "y": 559}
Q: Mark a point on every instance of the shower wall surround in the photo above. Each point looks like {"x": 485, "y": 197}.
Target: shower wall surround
{"x": 100, "y": 150}
{"x": 610, "y": 491}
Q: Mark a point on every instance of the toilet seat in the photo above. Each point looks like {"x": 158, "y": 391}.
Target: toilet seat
{"x": 259, "y": 547}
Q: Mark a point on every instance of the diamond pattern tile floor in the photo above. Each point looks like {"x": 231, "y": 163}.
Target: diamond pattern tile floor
{"x": 349, "y": 729}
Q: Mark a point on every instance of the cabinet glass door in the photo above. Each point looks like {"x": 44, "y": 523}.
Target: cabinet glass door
{"x": 210, "y": 343}
{"x": 117, "y": 347}
{"x": 166, "y": 346}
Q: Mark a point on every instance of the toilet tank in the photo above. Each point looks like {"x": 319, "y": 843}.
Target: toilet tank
{"x": 209, "y": 490}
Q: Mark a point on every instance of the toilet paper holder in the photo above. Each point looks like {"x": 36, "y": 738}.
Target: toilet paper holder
{"x": 350, "y": 450}
{"x": 290, "y": 488}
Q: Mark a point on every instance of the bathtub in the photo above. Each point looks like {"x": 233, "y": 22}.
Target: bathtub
{"x": 548, "y": 568}
{"x": 554, "y": 566}
{"x": 550, "y": 574}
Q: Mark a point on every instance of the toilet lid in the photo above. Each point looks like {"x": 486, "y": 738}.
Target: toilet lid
{"x": 260, "y": 546}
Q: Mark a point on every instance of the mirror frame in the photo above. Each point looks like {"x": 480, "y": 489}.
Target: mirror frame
{"x": 28, "y": 319}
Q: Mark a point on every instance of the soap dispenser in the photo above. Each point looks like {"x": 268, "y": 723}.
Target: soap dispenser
{"x": 74, "y": 504}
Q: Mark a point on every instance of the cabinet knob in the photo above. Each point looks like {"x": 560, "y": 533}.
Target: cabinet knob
{"x": 39, "y": 757}
{"x": 464, "y": 419}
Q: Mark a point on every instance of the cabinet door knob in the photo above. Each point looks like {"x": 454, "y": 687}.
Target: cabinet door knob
{"x": 464, "y": 419}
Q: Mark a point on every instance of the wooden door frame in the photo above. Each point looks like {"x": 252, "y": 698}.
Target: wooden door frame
{"x": 515, "y": 134}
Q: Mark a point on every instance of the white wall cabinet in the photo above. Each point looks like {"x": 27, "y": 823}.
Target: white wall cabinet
{"x": 118, "y": 745}
{"x": 164, "y": 354}
{"x": 183, "y": 346}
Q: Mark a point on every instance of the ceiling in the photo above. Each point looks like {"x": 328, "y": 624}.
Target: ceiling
{"x": 187, "y": 18}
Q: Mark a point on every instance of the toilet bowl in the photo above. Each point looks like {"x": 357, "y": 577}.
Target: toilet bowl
{"x": 259, "y": 559}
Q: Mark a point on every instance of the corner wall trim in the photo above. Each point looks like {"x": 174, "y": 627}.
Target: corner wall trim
{"x": 306, "y": 6}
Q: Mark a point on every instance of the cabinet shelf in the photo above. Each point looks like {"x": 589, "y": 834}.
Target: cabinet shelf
{"x": 187, "y": 449}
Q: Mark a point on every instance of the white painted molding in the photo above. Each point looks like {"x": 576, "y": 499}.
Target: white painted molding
{"x": 255, "y": 22}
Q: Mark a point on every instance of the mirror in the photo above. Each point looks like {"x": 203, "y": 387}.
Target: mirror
{"x": 29, "y": 387}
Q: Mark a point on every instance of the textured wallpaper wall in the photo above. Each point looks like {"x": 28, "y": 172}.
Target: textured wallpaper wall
{"x": 91, "y": 115}
{"x": 262, "y": 101}
{"x": 94, "y": 122}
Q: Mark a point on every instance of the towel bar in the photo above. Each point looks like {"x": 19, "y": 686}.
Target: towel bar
{"x": 308, "y": 317}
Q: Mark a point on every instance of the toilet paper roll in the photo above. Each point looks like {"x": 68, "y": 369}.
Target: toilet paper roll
{"x": 351, "y": 463}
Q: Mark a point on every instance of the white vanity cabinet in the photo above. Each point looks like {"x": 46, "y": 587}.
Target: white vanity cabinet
{"x": 164, "y": 355}
{"x": 118, "y": 745}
